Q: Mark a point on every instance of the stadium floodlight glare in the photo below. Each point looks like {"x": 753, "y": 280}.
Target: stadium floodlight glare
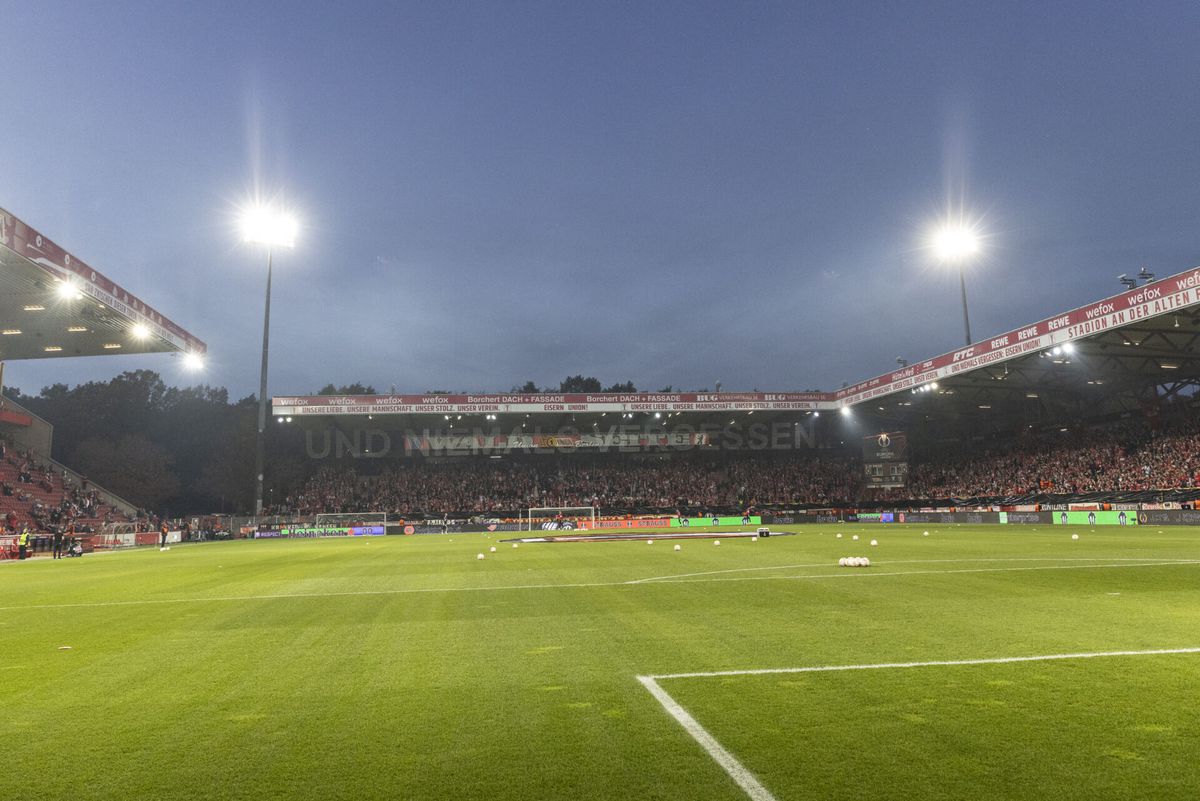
{"x": 269, "y": 226}
{"x": 957, "y": 243}
{"x": 68, "y": 291}
{"x": 845, "y": 411}
{"x": 193, "y": 361}
{"x": 139, "y": 331}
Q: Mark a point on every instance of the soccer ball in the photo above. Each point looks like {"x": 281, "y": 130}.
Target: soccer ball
{"x": 649, "y": 542}
{"x": 514, "y": 545}
{"x": 874, "y": 542}
{"x": 478, "y": 556}
{"x": 754, "y": 539}
{"x": 1074, "y": 536}
{"x": 839, "y": 536}
{"x": 493, "y": 549}
{"x": 926, "y": 534}
{"x": 716, "y": 542}
{"x": 866, "y": 562}
{"x": 855, "y": 538}
{"x": 842, "y": 562}
{"x": 678, "y": 548}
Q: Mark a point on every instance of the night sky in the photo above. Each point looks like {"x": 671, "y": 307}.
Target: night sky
{"x": 667, "y": 193}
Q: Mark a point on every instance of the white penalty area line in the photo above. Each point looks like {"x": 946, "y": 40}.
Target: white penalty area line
{"x": 848, "y": 574}
{"x": 746, "y": 780}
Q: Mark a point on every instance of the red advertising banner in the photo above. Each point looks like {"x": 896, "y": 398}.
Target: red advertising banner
{"x": 657, "y": 522}
{"x": 15, "y": 418}
{"x": 550, "y": 403}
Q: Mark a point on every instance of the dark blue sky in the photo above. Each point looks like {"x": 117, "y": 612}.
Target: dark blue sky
{"x": 668, "y": 193}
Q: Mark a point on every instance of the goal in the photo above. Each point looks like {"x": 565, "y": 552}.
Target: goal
{"x": 348, "y": 519}
{"x": 560, "y": 517}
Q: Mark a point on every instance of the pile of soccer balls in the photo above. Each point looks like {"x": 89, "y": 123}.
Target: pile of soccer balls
{"x": 854, "y": 561}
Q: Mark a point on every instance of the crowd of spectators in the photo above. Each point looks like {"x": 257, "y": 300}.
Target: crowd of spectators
{"x": 33, "y": 494}
{"x": 484, "y": 487}
{"x": 1123, "y": 457}
{"x": 1127, "y": 457}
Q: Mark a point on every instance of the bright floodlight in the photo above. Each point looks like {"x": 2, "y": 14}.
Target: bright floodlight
{"x": 68, "y": 291}
{"x": 955, "y": 242}
{"x": 139, "y": 331}
{"x": 269, "y": 226}
{"x": 193, "y": 361}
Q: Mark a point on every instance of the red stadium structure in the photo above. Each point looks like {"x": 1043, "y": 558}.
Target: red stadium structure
{"x": 54, "y": 304}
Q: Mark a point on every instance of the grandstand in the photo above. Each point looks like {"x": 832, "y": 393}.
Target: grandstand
{"x": 54, "y": 304}
{"x": 1121, "y": 371}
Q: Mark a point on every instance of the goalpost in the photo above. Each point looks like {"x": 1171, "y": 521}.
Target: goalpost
{"x": 560, "y": 517}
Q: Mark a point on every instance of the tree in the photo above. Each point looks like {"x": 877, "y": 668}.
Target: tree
{"x": 626, "y": 387}
{"x": 132, "y": 467}
{"x": 578, "y": 383}
{"x": 357, "y": 388}
{"x": 529, "y": 388}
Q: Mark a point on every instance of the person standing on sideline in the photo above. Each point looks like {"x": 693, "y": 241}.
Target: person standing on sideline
{"x": 162, "y": 535}
{"x": 23, "y": 544}
{"x": 58, "y": 543}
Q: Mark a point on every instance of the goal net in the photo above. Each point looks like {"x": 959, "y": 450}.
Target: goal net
{"x": 117, "y": 535}
{"x": 348, "y": 519}
{"x": 560, "y": 518}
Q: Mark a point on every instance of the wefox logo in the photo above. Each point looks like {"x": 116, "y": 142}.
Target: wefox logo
{"x": 1147, "y": 293}
{"x": 1098, "y": 310}
{"x": 1189, "y": 281}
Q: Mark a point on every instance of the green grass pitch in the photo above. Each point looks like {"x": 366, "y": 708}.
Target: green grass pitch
{"x": 405, "y": 668}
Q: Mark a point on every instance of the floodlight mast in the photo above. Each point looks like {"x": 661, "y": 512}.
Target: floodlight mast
{"x": 273, "y": 228}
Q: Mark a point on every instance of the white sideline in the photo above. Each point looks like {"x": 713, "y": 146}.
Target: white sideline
{"x": 849, "y": 574}
{"x": 742, "y": 775}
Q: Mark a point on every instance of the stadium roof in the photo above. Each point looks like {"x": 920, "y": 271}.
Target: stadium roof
{"x": 1108, "y": 357}
{"x": 54, "y": 304}
{"x": 1122, "y": 354}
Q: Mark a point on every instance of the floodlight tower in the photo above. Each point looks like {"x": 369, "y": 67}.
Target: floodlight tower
{"x": 956, "y": 243}
{"x": 270, "y": 226}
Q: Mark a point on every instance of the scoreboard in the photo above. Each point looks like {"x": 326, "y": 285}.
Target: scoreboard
{"x": 885, "y": 459}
